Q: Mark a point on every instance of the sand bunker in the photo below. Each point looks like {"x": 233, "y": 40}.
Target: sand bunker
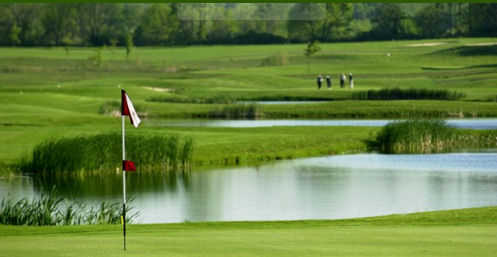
{"x": 482, "y": 44}
{"x": 159, "y": 89}
{"x": 427, "y": 44}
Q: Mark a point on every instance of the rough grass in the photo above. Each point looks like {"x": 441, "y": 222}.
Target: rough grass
{"x": 467, "y": 232}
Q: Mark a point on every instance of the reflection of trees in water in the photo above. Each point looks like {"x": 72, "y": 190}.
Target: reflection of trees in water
{"x": 81, "y": 185}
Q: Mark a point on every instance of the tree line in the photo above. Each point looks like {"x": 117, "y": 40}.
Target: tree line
{"x": 91, "y": 24}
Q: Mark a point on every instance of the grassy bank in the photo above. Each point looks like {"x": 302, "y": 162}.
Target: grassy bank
{"x": 467, "y": 232}
{"x": 47, "y": 92}
{"x": 345, "y": 109}
{"x": 251, "y": 146}
{"x": 184, "y": 81}
{"x": 213, "y": 146}
{"x": 430, "y": 136}
{"x": 401, "y": 109}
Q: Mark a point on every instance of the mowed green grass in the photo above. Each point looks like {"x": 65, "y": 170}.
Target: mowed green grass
{"x": 466, "y": 232}
{"x": 212, "y": 146}
{"x": 48, "y": 93}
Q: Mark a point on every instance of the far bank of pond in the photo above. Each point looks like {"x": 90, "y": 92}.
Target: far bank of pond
{"x": 249, "y": 142}
{"x": 332, "y": 187}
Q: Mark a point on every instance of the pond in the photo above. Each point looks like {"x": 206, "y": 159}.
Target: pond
{"x": 284, "y": 102}
{"x": 459, "y": 123}
{"x": 331, "y": 187}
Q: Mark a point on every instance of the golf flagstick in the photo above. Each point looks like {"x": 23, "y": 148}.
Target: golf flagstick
{"x": 124, "y": 184}
{"x": 127, "y": 109}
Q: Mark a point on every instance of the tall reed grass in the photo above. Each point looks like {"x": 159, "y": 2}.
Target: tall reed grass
{"x": 103, "y": 152}
{"x": 407, "y": 94}
{"x": 237, "y": 111}
{"x": 49, "y": 209}
{"x": 429, "y": 136}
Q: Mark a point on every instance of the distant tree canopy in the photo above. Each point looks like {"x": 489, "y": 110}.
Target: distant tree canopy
{"x": 483, "y": 19}
{"x": 95, "y": 24}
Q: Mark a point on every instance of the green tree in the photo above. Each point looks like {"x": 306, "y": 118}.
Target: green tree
{"x": 158, "y": 25}
{"x": 336, "y": 21}
{"x": 27, "y": 18}
{"x": 58, "y": 21}
{"x": 14, "y": 35}
{"x": 432, "y": 21}
{"x": 311, "y": 49}
{"x": 268, "y": 17}
{"x": 483, "y": 19}
{"x": 305, "y": 21}
{"x": 387, "y": 21}
{"x": 129, "y": 44}
{"x": 221, "y": 30}
{"x": 6, "y": 22}
{"x": 100, "y": 23}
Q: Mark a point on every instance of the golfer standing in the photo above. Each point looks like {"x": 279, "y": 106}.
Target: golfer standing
{"x": 351, "y": 81}
{"x": 319, "y": 81}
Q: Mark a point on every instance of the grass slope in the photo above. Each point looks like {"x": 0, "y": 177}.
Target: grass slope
{"x": 466, "y": 232}
{"x": 48, "y": 93}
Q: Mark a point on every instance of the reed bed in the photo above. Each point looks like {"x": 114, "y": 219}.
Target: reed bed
{"x": 429, "y": 136}
{"x": 408, "y": 94}
{"x": 237, "y": 111}
{"x": 103, "y": 152}
{"x": 49, "y": 210}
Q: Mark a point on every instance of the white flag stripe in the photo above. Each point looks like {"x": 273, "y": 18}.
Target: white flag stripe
{"x": 135, "y": 120}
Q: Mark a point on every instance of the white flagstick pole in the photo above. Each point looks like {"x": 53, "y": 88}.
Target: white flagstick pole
{"x": 124, "y": 186}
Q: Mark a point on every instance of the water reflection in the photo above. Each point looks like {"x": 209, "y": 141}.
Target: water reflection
{"x": 458, "y": 123}
{"x": 314, "y": 188}
{"x": 109, "y": 186}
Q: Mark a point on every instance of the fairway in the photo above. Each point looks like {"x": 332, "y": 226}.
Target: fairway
{"x": 50, "y": 93}
{"x": 254, "y": 130}
{"x": 467, "y": 232}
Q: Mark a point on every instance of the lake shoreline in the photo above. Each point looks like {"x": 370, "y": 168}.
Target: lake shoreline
{"x": 481, "y": 215}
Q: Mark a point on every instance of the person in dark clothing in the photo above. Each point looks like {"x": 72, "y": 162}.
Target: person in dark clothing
{"x": 319, "y": 81}
{"x": 342, "y": 80}
{"x": 328, "y": 81}
{"x": 351, "y": 81}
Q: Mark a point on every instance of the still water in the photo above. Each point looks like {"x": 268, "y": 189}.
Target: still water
{"x": 331, "y": 187}
{"x": 282, "y": 102}
{"x": 459, "y": 123}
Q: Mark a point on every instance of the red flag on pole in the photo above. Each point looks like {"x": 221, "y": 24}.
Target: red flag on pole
{"x": 129, "y": 166}
{"x": 127, "y": 109}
